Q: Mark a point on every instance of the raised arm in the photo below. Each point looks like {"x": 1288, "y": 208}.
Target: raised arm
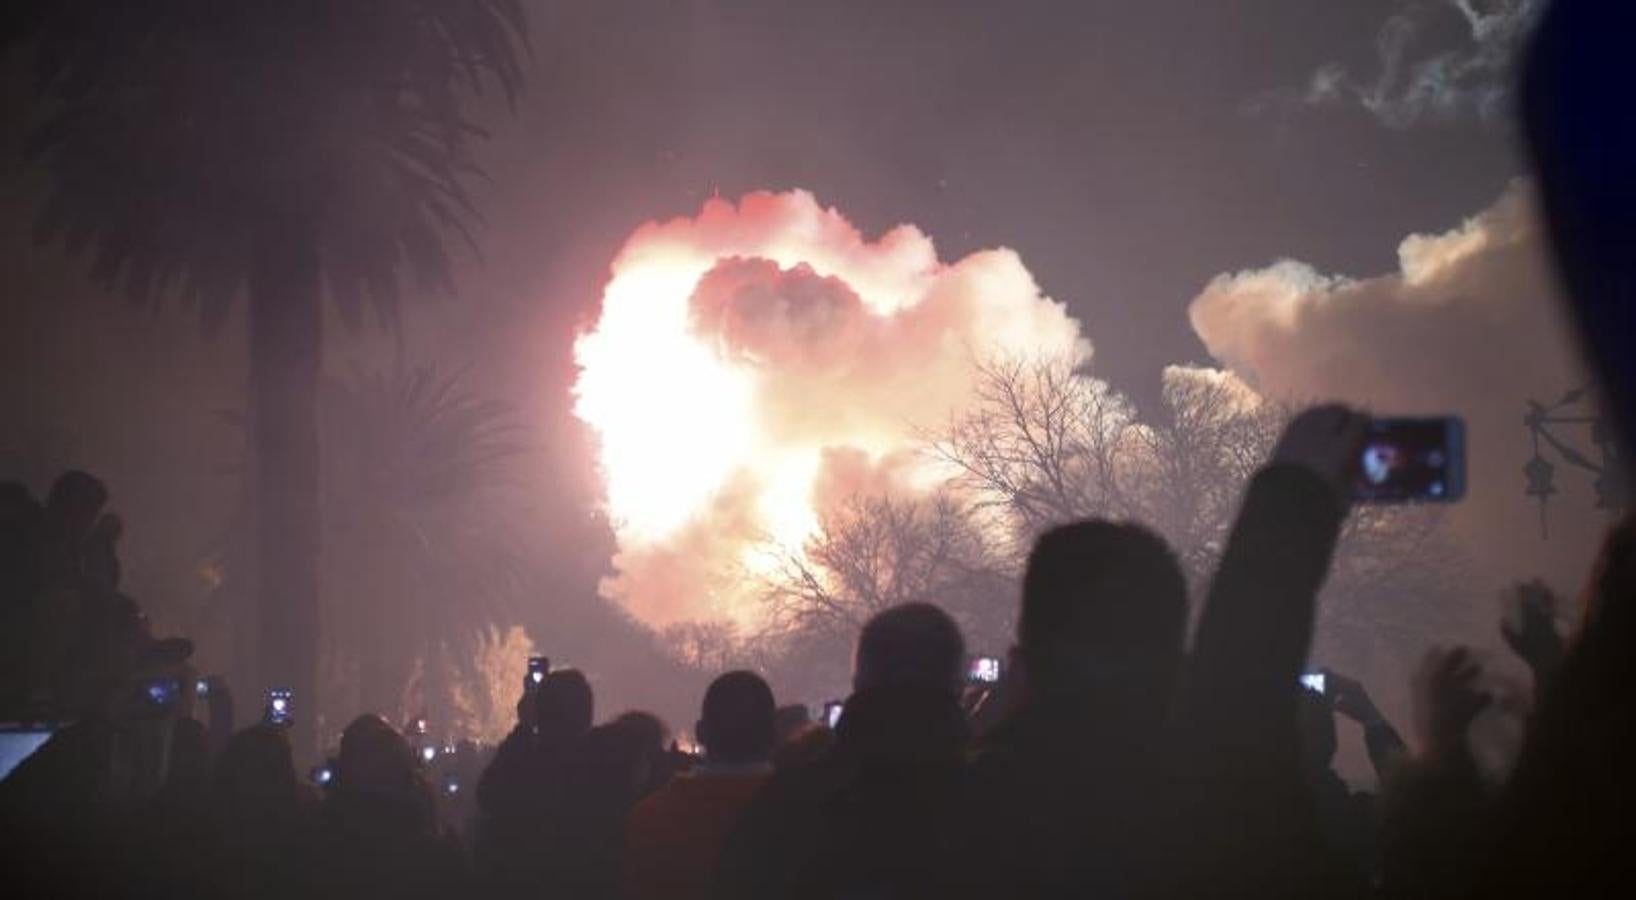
{"x": 1352, "y": 700}
{"x": 1253, "y": 638}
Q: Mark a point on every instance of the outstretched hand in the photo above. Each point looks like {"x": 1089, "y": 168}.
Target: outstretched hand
{"x": 1351, "y": 699}
{"x": 1447, "y": 700}
{"x": 1529, "y": 626}
{"x": 1327, "y": 441}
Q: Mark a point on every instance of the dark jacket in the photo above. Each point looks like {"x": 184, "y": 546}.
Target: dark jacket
{"x": 386, "y": 845}
{"x": 514, "y": 807}
{"x": 872, "y": 818}
{"x": 1111, "y": 792}
{"x": 1251, "y": 828}
{"x": 1068, "y": 797}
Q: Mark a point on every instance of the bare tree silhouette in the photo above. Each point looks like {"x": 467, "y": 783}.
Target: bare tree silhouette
{"x": 1046, "y": 444}
{"x": 871, "y": 553}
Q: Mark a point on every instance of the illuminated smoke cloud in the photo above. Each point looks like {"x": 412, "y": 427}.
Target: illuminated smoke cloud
{"x": 1469, "y": 323}
{"x": 757, "y": 356}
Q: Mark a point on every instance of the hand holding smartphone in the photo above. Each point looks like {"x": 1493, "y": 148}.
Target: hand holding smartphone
{"x": 538, "y": 667}
{"x": 983, "y": 671}
{"x": 1412, "y": 460}
{"x": 159, "y": 696}
{"x": 279, "y": 711}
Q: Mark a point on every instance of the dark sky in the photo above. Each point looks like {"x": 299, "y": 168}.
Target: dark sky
{"x": 1128, "y": 151}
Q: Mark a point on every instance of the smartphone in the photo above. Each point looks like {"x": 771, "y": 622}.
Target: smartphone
{"x": 983, "y": 670}
{"x": 201, "y": 689}
{"x": 832, "y": 713}
{"x": 322, "y": 775}
{"x": 451, "y": 783}
{"x": 417, "y": 725}
{"x": 279, "y": 710}
{"x": 19, "y": 742}
{"x": 538, "y": 666}
{"x": 1313, "y": 681}
{"x": 1412, "y": 461}
{"x": 159, "y": 695}
{"x": 428, "y": 753}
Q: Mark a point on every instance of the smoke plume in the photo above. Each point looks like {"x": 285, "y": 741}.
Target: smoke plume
{"x": 758, "y": 360}
{"x": 1469, "y": 324}
{"x": 1413, "y": 82}
{"x": 762, "y": 362}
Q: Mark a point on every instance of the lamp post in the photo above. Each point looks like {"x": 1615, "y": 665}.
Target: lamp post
{"x": 1547, "y": 426}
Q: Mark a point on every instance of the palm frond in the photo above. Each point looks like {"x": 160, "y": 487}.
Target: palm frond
{"x": 422, "y": 536}
{"x": 173, "y": 129}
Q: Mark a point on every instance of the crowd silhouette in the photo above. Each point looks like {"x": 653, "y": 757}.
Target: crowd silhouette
{"x": 1111, "y": 759}
{"x": 1114, "y": 758}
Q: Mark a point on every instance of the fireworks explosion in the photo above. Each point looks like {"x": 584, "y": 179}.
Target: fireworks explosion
{"x": 761, "y": 360}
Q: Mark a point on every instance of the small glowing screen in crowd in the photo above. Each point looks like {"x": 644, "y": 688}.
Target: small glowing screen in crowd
{"x": 984, "y": 670}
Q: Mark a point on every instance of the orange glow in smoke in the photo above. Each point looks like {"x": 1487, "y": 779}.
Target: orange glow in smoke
{"x": 720, "y": 417}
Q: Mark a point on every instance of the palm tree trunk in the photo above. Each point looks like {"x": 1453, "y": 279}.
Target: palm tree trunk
{"x": 285, "y": 357}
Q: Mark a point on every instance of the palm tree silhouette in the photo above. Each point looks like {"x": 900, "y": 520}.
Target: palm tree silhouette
{"x": 282, "y": 151}
{"x": 425, "y": 547}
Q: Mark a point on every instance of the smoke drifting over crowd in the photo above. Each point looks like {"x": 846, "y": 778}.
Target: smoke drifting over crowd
{"x": 758, "y": 360}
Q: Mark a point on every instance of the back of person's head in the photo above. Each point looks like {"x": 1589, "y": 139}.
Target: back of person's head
{"x": 611, "y": 765}
{"x": 736, "y": 719}
{"x": 1103, "y": 602}
{"x": 563, "y": 705}
{"x": 915, "y": 645}
{"x": 374, "y": 758}
{"x": 75, "y": 500}
{"x": 789, "y": 719}
{"x": 255, "y": 767}
{"x": 646, "y": 728}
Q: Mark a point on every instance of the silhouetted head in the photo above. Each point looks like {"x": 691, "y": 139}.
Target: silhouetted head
{"x": 647, "y": 729}
{"x": 1103, "y": 604}
{"x": 915, "y": 645}
{"x": 787, "y": 720}
{"x": 563, "y": 706}
{"x": 75, "y": 501}
{"x": 374, "y": 758}
{"x": 612, "y": 761}
{"x": 736, "y": 722}
{"x": 255, "y": 766}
